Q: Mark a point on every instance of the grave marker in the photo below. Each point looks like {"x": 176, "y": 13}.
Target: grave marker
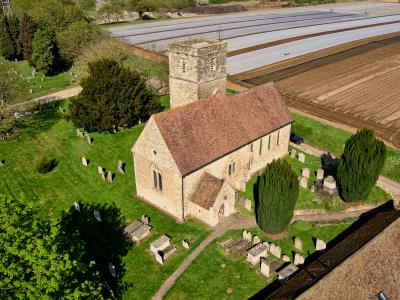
{"x": 293, "y": 153}
{"x": 320, "y": 245}
{"x": 304, "y": 182}
{"x": 298, "y": 243}
{"x": 246, "y": 236}
{"x": 320, "y": 174}
{"x": 110, "y": 176}
{"x": 301, "y": 157}
{"x": 298, "y": 259}
{"x": 159, "y": 258}
{"x": 144, "y": 219}
{"x": 84, "y": 161}
{"x": 247, "y": 204}
{"x": 256, "y": 240}
{"x": 306, "y": 172}
{"x": 121, "y": 167}
{"x": 97, "y": 215}
{"x": 185, "y": 244}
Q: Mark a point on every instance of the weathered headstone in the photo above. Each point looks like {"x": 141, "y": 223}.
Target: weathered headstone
{"x": 329, "y": 185}
{"x": 256, "y": 240}
{"x": 306, "y": 172}
{"x": 89, "y": 139}
{"x": 312, "y": 189}
{"x": 320, "y": 245}
{"x": 77, "y": 207}
{"x": 320, "y": 174}
{"x": 287, "y": 271}
{"x": 304, "y": 182}
{"x": 268, "y": 268}
{"x": 121, "y": 167}
{"x": 275, "y": 250}
{"x": 1, "y": 163}
{"x": 285, "y": 258}
{"x": 160, "y": 244}
{"x": 298, "y": 243}
{"x": 298, "y": 259}
{"x": 256, "y": 253}
{"x": 84, "y": 161}
{"x": 97, "y": 215}
{"x": 145, "y": 219}
{"x": 100, "y": 170}
{"x": 266, "y": 244}
{"x": 247, "y": 204}
{"x": 293, "y": 153}
{"x": 141, "y": 232}
{"x": 185, "y": 244}
{"x": 109, "y": 176}
{"x": 159, "y": 258}
{"x": 301, "y": 157}
{"x": 103, "y": 176}
{"x": 246, "y": 236}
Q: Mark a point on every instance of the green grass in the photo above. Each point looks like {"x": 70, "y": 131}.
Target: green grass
{"x": 148, "y": 67}
{"x": 213, "y": 272}
{"x": 39, "y": 88}
{"x": 307, "y": 199}
{"x": 49, "y": 134}
{"x": 331, "y": 139}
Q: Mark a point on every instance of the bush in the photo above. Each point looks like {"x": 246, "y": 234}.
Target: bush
{"x": 45, "y": 52}
{"x": 112, "y": 97}
{"x": 276, "y": 193}
{"x": 360, "y": 165}
{"x": 45, "y": 165}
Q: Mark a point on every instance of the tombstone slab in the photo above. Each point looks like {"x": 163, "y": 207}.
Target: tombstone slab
{"x": 305, "y": 172}
{"x": 275, "y": 250}
{"x": 268, "y": 267}
{"x": 185, "y": 244}
{"x": 285, "y": 258}
{"x": 247, "y": 204}
{"x": 255, "y": 253}
{"x": 84, "y": 161}
{"x": 132, "y": 227}
{"x": 159, "y": 258}
{"x": 293, "y": 153}
{"x": 100, "y": 170}
{"x": 320, "y": 174}
{"x": 246, "y": 236}
{"x": 144, "y": 219}
{"x": 301, "y": 157}
{"x": 89, "y": 139}
{"x": 256, "y": 240}
{"x": 110, "y": 176}
{"x": 160, "y": 244}
{"x": 298, "y": 259}
{"x": 287, "y": 271}
{"x": 303, "y": 182}
{"x": 320, "y": 245}
{"x": 140, "y": 233}
{"x": 121, "y": 167}
{"x": 169, "y": 252}
{"x": 298, "y": 244}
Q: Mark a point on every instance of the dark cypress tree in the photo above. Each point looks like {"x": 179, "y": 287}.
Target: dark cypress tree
{"x": 13, "y": 27}
{"x": 44, "y": 56}
{"x": 113, "y": 97}
{"x": 28, "y": 29}
{"x": 7, "y": 48}
{"x": 360, "y": 165}
{"x": 276, "y": 193}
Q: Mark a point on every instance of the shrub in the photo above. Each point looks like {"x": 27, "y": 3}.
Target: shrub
{"x": 45, "y": 165}
{"x": 113, "y": 97}
{"x": 360, "y": 165}
{"x": 45, "y": 53}
{"x": 276, "y": 193}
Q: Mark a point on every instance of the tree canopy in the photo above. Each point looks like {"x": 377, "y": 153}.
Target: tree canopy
{"x": 276, "y": 193}
{"x": 113, "y": 97}
{"x": 45, "y": 52}
{"x": 360, "y": 165}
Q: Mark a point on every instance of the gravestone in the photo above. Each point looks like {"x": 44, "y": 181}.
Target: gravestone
{"x": 121, "y": 167}
{"x": 287, "y": 271}
{"x": 103, "y": 176}
{"x": 100, "y": 170}
{"x": 320, "y": 245}
{"x": 293, "y": 153}
{"x": 298, "y": 243}
{"x": 145, "y": 219}
{"x": 77, "y": 207}
{"x": 169, "y": 251}
{"x": 78, "y": 132}
{"x": 320, "y": 174}
{"x": 256, "y": 240}
{"x": 246, "y": 236}
{"x": 298, "y": 259}
{"x": 141, "y": 232}
{"x": 84, "y": 161}
{"x": 160, "y": 244}
{"x": 159, "y": 258}
{"x": 97, "y": 215}
{"x": 275, "y": 250}
{"x": 285, "y": 258}
{"x": 185, "y": 244}
{"x": 266, "y": 244}
{"x": 306, "y": 172}
{"x": 304, "y": 182}
{"x": 89, "y": 139}
{"x": 329, "y": 185}
{"x": 312, "y": 189}
{"x": 256, "y": 253}
{"x": 301, "y": 157}
{"x": 268, "y": 267}
{"x": 247, "y": 204}
{"x": 1, "y": 163}
{"x": 110, "y": 176}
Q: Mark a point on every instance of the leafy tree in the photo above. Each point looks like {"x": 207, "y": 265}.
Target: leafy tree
{"x": 360, "y": 165}
{"x": 75, "y": 38}
{"x": 113, "y": 97}
{"x": 13, "y": 27}
{"x": 7, "y": 46}
{"x": 32, "y": 265}
{"x": 27, "y": 33}
{"x": 44, "y": 56}
{"x": 276, "y": 193}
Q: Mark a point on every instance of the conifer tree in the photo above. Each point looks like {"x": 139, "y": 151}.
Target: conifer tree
{"x": 13, "y": 27}
{"x": 360, "y": 165}
{"x": 7, "y": 48}
{"x": 113, "y": 97}
{"x": 44, "y": 56}
{"x": 27, "y": 33}
{"x": 276, "y": 194}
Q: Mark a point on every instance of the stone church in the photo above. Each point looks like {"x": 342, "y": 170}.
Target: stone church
{"x": 190, "y": 160}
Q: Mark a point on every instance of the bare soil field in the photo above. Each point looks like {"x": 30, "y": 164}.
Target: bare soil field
{"x": 359, "y": 87}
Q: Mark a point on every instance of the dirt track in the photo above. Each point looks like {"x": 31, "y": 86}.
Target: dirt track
{"x": 358, "y": 86}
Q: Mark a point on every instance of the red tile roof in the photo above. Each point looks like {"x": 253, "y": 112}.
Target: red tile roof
{"x": 203, "y": 131}
{"x": 207, "y": 191}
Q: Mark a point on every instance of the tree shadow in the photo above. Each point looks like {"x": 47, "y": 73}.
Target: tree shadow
{"x": 93, "y": 232}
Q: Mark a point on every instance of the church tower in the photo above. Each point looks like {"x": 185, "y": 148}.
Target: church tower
{"x": 197, "y": 69}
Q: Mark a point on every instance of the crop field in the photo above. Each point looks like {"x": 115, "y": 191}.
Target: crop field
{"x": 358, "y": 87}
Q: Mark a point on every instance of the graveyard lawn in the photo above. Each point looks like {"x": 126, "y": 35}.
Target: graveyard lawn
{"x": 214, "y": 272}
{"x": 49, "y": 134}
{"x": 307, "y": 199}
{"x": 39, "y": 88}
{"x": 332, "y": 139}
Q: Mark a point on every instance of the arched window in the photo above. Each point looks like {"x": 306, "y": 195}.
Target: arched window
{"x": 213, "y": 64}
{"x": 183, "y": 65}
{"x": 157, "y": 180}
{"x": 231, "y": 168}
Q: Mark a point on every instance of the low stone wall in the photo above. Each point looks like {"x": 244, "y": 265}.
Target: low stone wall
{"x": 148, "y": 54}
